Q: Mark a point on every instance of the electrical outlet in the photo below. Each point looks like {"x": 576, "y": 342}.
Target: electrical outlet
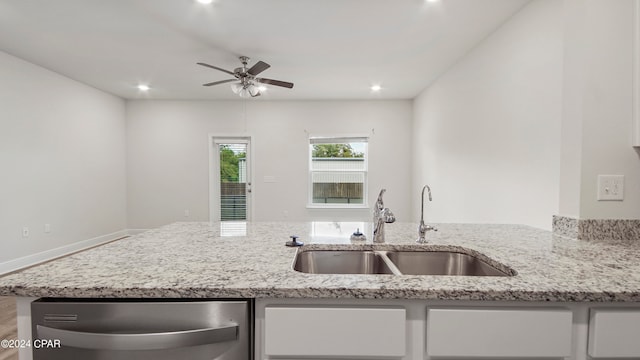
{"x": 187, "y": 213}
{"x": 25, "y": 232}
{"x": 610, "y": 187}
{"x": 47, "y": 228}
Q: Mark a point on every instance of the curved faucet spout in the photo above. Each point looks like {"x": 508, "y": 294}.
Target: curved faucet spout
{"x": 423, "y": 228}
{"x": 429, "y": 192}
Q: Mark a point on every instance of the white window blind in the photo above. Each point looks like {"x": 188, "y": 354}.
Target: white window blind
{"x": 337, "y": 140}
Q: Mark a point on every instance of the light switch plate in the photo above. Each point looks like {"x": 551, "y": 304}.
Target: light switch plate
{"x": 610, "y": 187}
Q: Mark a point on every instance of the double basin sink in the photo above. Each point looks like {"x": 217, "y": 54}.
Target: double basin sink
{"x": 396, "y": 262}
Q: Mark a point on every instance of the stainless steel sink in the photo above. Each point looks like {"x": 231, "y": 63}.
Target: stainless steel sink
{"x": 441, "y": 263}
{"x": 394, "y": 262}
{"x": 341, "y": 262}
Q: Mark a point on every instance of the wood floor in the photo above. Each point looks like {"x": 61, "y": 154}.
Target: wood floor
{"x": 8, "y": 326}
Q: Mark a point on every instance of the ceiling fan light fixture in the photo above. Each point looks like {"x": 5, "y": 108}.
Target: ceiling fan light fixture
{"x": 248, "y": 89}
{"x": 253, "y": 90}
{"x": 236, "y": 88}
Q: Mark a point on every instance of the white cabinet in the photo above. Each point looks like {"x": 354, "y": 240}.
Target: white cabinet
{"x": 334, "y": 332}
{"x": 397, "y": 329}
{"x": 498, "y": 332}
{"x": 614, "y": 333}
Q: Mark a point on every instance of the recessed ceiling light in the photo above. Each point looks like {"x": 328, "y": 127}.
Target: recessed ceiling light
{"x": 433, "y": 1}
{"x": 205, "y": 1}
{"x": 376, "y": 88}
{"x": 143, "y": 87}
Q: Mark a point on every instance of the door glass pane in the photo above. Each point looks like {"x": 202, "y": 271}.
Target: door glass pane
{"x": 233, "y": 181}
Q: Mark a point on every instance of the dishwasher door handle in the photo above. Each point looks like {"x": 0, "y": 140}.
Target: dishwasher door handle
{"x": 139, "y": 341}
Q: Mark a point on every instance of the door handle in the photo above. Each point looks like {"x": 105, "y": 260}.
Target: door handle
{"x": 139, "y": 341}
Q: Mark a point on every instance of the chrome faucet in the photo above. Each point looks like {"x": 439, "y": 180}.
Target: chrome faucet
{"x": 423, "y": 228}
{"x": 381, "y": 216}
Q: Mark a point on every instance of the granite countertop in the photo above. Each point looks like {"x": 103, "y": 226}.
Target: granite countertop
{"x": 247, "y": 260}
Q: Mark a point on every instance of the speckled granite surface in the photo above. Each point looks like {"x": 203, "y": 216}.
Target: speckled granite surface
{"x": 565, "y": 226}
{"x": 200, "y": 260}
{"x": 597, "y": 229}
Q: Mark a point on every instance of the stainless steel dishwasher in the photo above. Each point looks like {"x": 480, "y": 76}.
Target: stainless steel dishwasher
{"x": 117, "y": 329}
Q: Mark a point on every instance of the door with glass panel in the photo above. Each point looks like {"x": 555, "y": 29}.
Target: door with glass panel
{"x": 231, "y": 179}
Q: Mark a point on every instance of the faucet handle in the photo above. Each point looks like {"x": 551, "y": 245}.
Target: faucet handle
{"x": 422, "y": 232}
{"x": 423, "y": 228}
{"x": 388, "y": 216}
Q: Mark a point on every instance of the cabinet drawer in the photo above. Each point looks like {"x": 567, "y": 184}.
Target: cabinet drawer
{"x": 485, "y": 332}
{"x": 614, "y": 333}
{"x": 313, "y": 331}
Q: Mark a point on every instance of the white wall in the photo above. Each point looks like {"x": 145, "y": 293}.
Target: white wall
{"x": 62, "y": 160}
{"x": 168, "y": 155}
{"x": 486, "y": 134}
{"x": 598, "y": 109}
{"x": 571, "y": 128}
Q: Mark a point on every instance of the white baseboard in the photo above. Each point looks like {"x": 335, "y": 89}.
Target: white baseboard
{"x": 30, "y": 260}
{"x": 136, "y": 231}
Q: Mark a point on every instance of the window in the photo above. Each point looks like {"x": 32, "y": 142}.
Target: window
{"x": 338, "y": 172}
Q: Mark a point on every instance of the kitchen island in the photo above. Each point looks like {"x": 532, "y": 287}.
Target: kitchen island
{"x": 561, "y": 286}
{"x": 201, "y": 260}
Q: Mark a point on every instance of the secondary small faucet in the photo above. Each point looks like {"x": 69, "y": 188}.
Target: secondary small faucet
{"x": 381, "y": 216}
{"x": 423, "y": 228}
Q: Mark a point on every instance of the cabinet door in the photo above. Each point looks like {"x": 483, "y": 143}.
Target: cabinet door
{"x": 614, "y": 333}
{"x": 328, "y": 331}
{"x": 491, "y": 332}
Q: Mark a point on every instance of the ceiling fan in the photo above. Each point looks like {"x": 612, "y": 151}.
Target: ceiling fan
{"x": 248, "y": 85}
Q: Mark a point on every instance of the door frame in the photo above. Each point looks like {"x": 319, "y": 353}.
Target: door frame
{"x": 214, "y": 172}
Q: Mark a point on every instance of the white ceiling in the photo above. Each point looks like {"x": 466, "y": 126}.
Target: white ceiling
{"x": 330, "y": 49}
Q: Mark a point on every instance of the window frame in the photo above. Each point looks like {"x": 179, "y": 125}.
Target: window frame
{"x": 338, "y": 139}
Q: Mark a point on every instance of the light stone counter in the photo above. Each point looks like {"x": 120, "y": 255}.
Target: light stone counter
{"x": 201, "y": 260}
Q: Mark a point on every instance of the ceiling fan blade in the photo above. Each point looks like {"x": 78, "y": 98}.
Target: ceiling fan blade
{"x": 259, "y": 67}
{"x": 217, "y": 68}
{"x": 219, "y": 82}
{"x": 275, "y": 82}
